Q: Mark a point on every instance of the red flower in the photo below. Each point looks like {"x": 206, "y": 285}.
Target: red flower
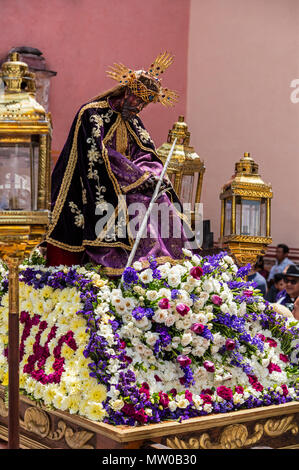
{"x": 206, "y": 398}
{"x": 140, "y": 416}
{"x": 164, "y": 399}
{"x": 216, "y": 299}
{"x": 272, "y": 342}
{"x": 283, "y": 358}
{"x": 182, "y": 309}
{"x": 197, "y": 328}
{"x": 239, "y": 389}
{"x": 262, "y": 337}
{"x": 196, "y": 272}
{"x": 224, "y": 392}
{"x": 285, "y": 390}
{"x": 184, "y": 361}
{"x": 188, "y": 396}
{"x": 157, "y": 378}
{"x": 164, "y": 303}
{"x": 273, "y": 367}
{"x": 209, "y": 366}
{"x": 173, "y": 392}
{"x": 230, "y": 344}
{"x": 207, "y": 391}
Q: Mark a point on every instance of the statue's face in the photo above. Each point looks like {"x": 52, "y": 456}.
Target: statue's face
{"x": 132, "y": 105}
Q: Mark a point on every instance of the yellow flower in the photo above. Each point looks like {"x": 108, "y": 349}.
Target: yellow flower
{"x": 5, "y": 379}
{"x": 67, "y": 352}
{"x": 49, "y": 394}
{"x": 81, "y": 336}
{"x": 5, "y": 300}
{"x": 73, "y": 402}
{"x": 77, "y": 323}
{"x": 95, "y": 411}
{"x": 46, "y": 292}
{"x": 97, "y": 393}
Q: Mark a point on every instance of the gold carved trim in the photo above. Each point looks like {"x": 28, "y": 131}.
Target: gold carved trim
{"x": 38, "y": 422}
{"x": 3, "y": 408}
{"x": 236, "y": 436}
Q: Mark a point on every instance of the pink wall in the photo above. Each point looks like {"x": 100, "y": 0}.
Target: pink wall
{"x": 81, "y": 38}
{"x": 243, "y": 56}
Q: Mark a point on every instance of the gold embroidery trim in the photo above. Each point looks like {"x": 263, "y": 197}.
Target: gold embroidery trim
{"x": 121, "y": 138}
{"x": 70, "y": 168}
{"x": 136, "y": 183}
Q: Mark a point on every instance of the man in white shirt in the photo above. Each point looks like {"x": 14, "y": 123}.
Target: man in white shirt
{"x": 282, "y": 261}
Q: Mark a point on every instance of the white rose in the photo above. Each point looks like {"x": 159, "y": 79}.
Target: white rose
{"x": 137, "y": 266}
{"x": 146, "y": 276}
{"x": 174, "y": 279}
{"x": 117, "y": 405}
{"x": 182, "y": 402}
{"x": 160, "y": 316}
{"x": 228, "y": 259}
{"x": 152, "y": 295}
{"x": 169, "y": 321}
{"x": 187, "y": 252}
{"x": 208, "y": 407}
{"x": 172, "y": 405}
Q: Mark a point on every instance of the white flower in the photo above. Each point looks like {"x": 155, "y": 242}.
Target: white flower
{"x": 146, "y": 276}
{"x": 187, "y": 252}
{"x": 186, "y": 339}
{"x": 182, "y": 402}
{"x": 174, "y": 279}
{"x": 169, "y": 320}
{"x": 160, "y": 316}
{"x": 152, "y": 295}
{"x": 137, "y": 266}
{"x": 117, "y": 405}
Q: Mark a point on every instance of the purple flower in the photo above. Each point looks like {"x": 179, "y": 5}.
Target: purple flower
{"x": 130, "y": 276}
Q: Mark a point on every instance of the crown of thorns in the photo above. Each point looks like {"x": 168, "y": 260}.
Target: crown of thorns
{"x": 131, "y": 78}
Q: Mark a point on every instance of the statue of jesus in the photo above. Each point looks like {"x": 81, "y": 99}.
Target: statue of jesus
{"x": 109, "y": 160}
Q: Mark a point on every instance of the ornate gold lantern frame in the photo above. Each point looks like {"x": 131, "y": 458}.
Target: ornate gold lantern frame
{"x": 186, "y": 169}
{"x": 246, "y": 196}
{"x": 25, "y": 129}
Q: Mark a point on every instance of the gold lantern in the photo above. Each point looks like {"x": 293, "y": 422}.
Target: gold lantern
{"x": 186, "y": 169}
{"x": 246, "y": 212}
{"x": 25, "y": 139}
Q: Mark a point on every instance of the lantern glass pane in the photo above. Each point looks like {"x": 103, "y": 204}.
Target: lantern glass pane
{"x": 227, "y": 216}
{"x": 264, "y": 217}
{"x": 238, "y": 215}
{"x": 18, "y": 177}
{"x": 186, "y": 189}
{"x": 251, "y": 217}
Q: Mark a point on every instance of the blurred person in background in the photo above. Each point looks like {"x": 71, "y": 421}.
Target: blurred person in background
{"x": 290, "y": 295}
{"x": 277, "y": 287}
{"x": 260, "y": 267}
{"x": 282, "y": 261}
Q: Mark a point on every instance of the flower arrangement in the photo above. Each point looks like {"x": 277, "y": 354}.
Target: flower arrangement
{"x": 172, "y": 342}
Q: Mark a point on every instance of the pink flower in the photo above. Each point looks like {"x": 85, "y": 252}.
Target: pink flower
{"x": 272, "y": 342}
{"x": 224, "y": 392}
{"x": 230, "y": 344}
{"x": 273, "y": 367}
{"x": 239, "y": 389}
{"x": 197, "y": 328}
{"x": 209, "y": 366}
{"x": 182, "y": 309}
{"x": 216, "y": 299}
{"x": 164, "y": 303}
{"x": 283, "y": 358}
{"x": 247, "y": 293}
{"x": 157, "y": 378}
{"x": 184, "y": 361}
{"x": 196, "y": 272}
{"x": 140, "y": 416}
{"x": 262, "y": 337}
{"x": 122, "y": 344}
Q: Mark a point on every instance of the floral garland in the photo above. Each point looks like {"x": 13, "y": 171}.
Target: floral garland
{"x": 173, "y": 342}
